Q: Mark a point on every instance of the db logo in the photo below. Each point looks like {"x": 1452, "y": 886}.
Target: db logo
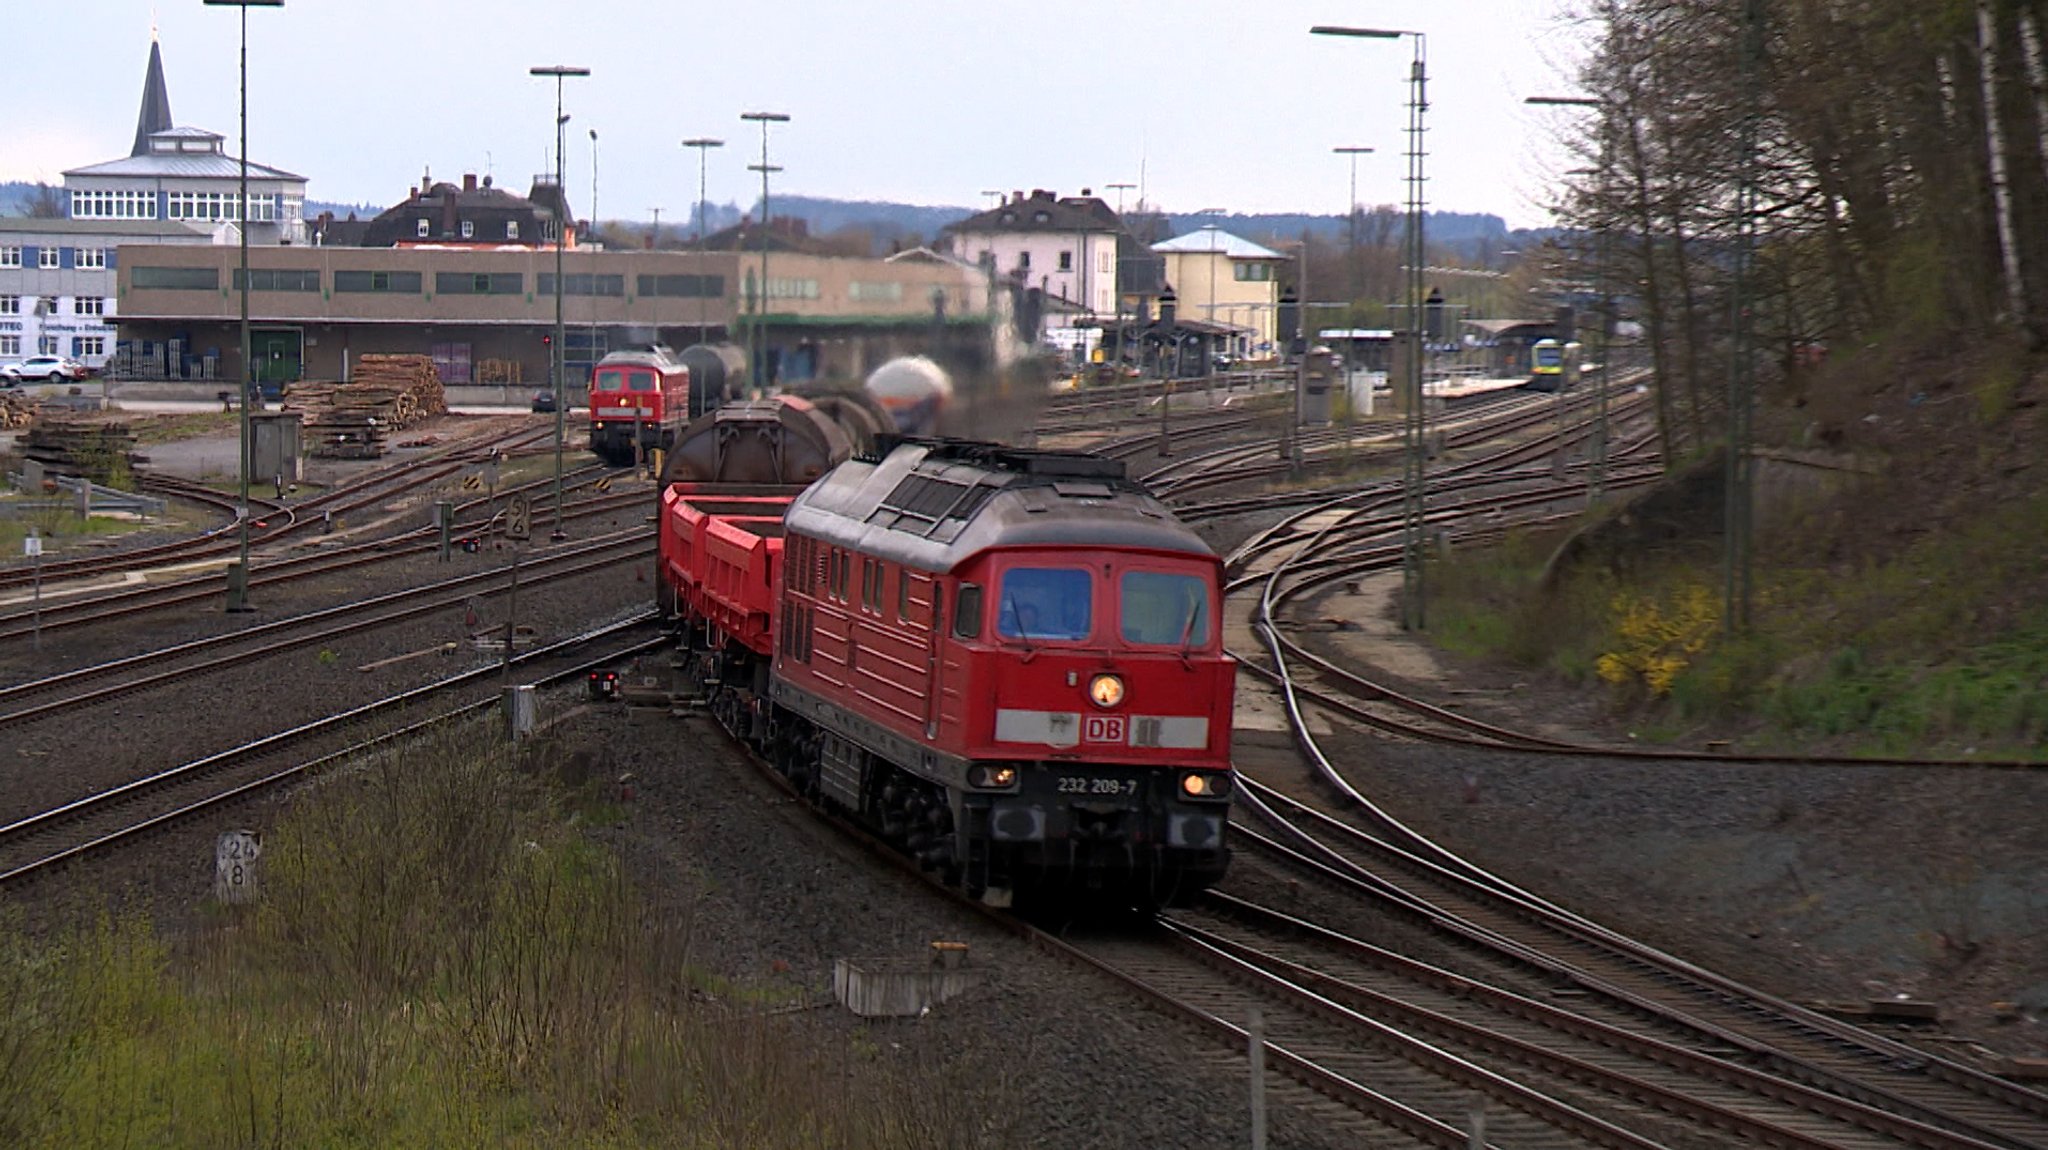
{"x": 1103, "y": 729}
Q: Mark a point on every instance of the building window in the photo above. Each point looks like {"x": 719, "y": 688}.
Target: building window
{"x": 88, "y": 258}
{"x": 886, "y": 292}
{"x": 402, "y": 283}
{"x": 46, "y": 305}
{"x": 684, "y": 286}
{"x": 469, "y": 229}
{"x": 280, "y": 279}
{"x": 511, "y": 229}
{"x": 423, "y": 228}
{"x": 10, "y": 305}
{"x": 178, "y": 279}
{"x": 583, "y": 283}
{"x": 115, "y": 204}
{"x": 85, "y": 345}
{"x": 10, "y": 345}
{"x": 90, "y": 305}
{"x": 46, "y": 258}
{"x": 10, "y": 257}
{"x": 1024, "y": 260}
{"x": 46, "y": 345}
{"x": 1066, "y": 261}
{"x": 479, "y": 283}
{"x": 1253, "y": 273}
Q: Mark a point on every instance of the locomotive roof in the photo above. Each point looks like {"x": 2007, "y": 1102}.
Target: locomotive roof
{"x": 933, "y": 504}
{"x": 660, "y": 357}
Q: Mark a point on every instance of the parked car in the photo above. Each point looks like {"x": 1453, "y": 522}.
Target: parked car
{"x": 54, "y": 368}
{"x": 543, "y": 401}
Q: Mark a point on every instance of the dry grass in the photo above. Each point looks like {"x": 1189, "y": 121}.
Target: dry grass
{"x": 441, "y": 958}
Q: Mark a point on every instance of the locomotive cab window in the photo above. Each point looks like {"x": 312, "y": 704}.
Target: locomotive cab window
{"x": 640, "y": 381}
{"x": 1034, "y": 604}
{"x": 612, "y": 380}
{"x": 966, "y": 612}
{"x": 1163, "y": 608}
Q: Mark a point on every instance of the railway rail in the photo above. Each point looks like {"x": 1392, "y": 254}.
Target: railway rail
{"x": 41, "y": 843}
{"x": 129, "y": 600}
{"x": 295, "y": 517}
{"x": 183, "y": 660}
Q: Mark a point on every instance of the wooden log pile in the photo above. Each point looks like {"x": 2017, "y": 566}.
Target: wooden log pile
{"x": 97, "y": 450}
{"x": 16, "y": 409}
{"x": 354, "y": 420}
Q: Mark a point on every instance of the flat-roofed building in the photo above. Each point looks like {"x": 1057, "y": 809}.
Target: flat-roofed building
{"x": 316, "y": 309}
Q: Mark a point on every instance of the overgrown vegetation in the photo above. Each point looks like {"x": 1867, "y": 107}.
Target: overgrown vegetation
{"x": 441, "y": 957}
{"x": 1937, "y": 648}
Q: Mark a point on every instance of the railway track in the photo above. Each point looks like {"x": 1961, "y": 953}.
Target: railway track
{"x": 43, "y": 842}
{"x": 87, "y": 686}
{"x": 60, "y": 611}
{"x": 272, "y": 520}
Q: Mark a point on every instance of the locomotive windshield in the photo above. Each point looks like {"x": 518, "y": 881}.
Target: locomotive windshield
{"x": 640, "y": 381}
{"x": 1037, "y": 603}
{"x": 611, "y": 379}
{"x": 1165, "y": 609}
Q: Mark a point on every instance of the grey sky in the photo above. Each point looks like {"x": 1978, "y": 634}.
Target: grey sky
{"x": 1224, "y": 103}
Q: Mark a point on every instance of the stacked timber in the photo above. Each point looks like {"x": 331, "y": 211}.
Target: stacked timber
{"x": 354, "y": 420}
{"x": 16, "y": 409}
{"x": 98, "y": 450}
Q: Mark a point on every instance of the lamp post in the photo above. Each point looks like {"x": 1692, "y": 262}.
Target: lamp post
{"x": 1351, "y": 218}
{"x": 556, "y": 367}
{"x": 238, "y": 584}
{"x": 703, "y": 144}
{"x": 1117, "y": 365}
{"x": 1596, "y": 478}
{"x": 1415, "y": 426}
{"x": 590, "y": 344}
{"x": 759, "y": 328}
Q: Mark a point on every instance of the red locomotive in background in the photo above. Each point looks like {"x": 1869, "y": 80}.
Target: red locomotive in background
{"x": 641, "y": 398}
{"x": 1006, "y": 662}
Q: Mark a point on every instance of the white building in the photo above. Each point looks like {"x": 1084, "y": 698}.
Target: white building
{"x": 1063, "y": 250}
{"x": 178, "y": 185}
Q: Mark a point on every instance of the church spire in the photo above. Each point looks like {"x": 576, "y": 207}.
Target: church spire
{"x": 156, "y": 101}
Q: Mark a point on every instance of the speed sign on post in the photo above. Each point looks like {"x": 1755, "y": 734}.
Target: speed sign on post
{"x": 519, "y": 518}
{"x": 234, "y": 866}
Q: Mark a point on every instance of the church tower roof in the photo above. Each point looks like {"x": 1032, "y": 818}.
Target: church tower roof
{"x": 156, "y": 102}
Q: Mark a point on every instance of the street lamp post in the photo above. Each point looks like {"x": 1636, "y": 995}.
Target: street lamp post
{"x": 759, "y": 329}
{"x": 238, "y": 586}
{"x": 556, "y": 367}
{"x": 1596, "y": 478}
{"x": 1351, "y": 218}
{"x": 590, "y": 343}
{"x": 703, "y": 144}
{"x": 1415, "y": 426}
{"x": 1117, "y": 365}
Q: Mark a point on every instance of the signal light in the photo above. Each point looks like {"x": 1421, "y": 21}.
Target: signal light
{"x": 604, "y": 685}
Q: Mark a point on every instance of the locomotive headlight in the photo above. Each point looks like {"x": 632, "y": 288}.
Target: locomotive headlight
{"x": 994, "y": 776}
{"x": 1200, "y": 786}
{"x": 1106, "y": 690}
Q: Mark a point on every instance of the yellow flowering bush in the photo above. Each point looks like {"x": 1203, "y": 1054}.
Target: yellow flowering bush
{"x": 1660, "y": 637}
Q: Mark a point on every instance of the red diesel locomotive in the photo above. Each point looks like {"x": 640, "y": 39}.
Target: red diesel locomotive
{"x": 641, "y": 398}
{"x": 1008, "y": 663}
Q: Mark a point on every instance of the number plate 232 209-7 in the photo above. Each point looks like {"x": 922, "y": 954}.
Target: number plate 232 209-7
{"x": 1079, "y": 785}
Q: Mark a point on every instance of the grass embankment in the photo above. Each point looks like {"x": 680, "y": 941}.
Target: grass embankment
{"x": 56, "y": 527}
{"x": 441, "y": 957}
{"x": 1936, "y": 649}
